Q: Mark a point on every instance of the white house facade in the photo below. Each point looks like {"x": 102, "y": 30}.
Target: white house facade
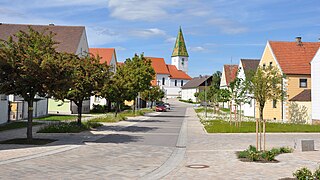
{"x": 197, "y": 84}
{"x": 245, "y": 66}
{"x": 315, "y": 88}
{"x": 19, "y": 107}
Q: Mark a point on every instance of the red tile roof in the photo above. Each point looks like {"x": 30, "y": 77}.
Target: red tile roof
{"x": 104, "y": 53}
{"x": 159, "y": 65}
{"x": 294, "y": 58}
{"x": 68, "y": 37}
{"x": 177, "y": 74}
{"x": 120, "y": 63}
{"x": 230, "y": 73}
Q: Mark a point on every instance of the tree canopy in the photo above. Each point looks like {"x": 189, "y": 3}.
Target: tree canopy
{"x": 28, "y": 61}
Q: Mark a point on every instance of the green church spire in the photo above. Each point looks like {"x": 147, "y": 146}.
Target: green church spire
{"x": 180, "y": 46}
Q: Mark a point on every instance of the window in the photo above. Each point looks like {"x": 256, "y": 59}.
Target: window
{"x": 303, "y": 83}
{"x": 175, "y": 82}
{"x": 181, "y": 82}
{"x": 274, "y": 103}
{"x": 270, "y": 64}
{"x": 182, "y": 61}
{"x": 163, "y": 81}
{"x": 264, "y": 66}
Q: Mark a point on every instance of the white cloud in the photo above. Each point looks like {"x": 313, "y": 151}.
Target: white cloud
{"x": 98, "y": 36}
{"x": 120, "y": 48}
{"x": 170, "y": 40}
{"x": 145, "y": 33}
{"x": 228, "y": 26}
{"x": 140, "y": 9}
{"x": 197, "y": 49}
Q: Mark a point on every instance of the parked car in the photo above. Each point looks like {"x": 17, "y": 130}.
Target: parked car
{"x": 167, "y": 105}
{"x": 161, "y": 107}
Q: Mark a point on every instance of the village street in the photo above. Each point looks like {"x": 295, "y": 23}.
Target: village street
{"x": 159, "y": 146}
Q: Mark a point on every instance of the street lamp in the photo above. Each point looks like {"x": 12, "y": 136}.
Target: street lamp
{"x": 205, "y": 97}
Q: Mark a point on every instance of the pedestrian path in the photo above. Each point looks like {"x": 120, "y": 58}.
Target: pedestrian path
{"x": 216, "y": 153}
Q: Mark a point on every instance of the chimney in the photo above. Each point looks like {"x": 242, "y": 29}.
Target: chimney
{"x": 51, "y": 24}
{"x": 298, "y": 41}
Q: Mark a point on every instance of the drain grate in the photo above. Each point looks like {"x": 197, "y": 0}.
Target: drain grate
{"x": 197, "y": 166}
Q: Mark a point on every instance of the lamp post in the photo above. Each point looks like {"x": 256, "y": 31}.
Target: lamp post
{"x": 205, "y": 97}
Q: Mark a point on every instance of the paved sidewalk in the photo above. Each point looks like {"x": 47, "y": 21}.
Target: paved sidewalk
{"x": 218, "y": 152}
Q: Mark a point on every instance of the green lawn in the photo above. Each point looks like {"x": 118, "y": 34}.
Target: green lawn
{"x": 198, "y": 110}
{"x": 109, "y": 119}
{"x": 220, "y": 126}
{"x": 15, "y": 125}
{"x": 57, "y": 118}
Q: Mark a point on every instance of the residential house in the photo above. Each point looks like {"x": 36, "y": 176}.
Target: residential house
{"x": 195, "y": 85}
{"x": 292, "y": 59}
{"x": 315, "y": 89}
{"x": 229, "y": 74}
{"x": 19, "y": 107}
{"x": 247, "y": 67}
{"x": 108, "y": 56}
{"x": 71, "y": 39}
{"x": 302, "y": 111}
{"x": 4, "y": 103}
{"x": 168, "y": 77}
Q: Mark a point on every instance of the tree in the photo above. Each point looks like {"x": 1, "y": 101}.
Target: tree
{"x": 88, "y": 76}
{"x": 28, "y": 61}
{"x": 117, "y": 89}
{"x": 266, "y": 86}
{"x": 132, "y": 77}
{"x": 140, "y": 73}
{"x": 152, "y": 94}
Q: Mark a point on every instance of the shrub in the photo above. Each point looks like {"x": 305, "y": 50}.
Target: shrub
{"x": 286, "y": 150}
{"x": 253, "y": 156}
{"x": 71, "y": 127}
{"x": 243, "y": 154}
{"x": 270, "y": 155}
{"x": 316, "y": 174}
{"x": 252, "y": 148}
{"x": 303, "y": 174}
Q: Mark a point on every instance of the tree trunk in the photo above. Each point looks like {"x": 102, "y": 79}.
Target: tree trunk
{"x": 109, "y": 106}
{"x": 260, "y": 120}
{"x": 117, "y": 106}
{"x": 264, "y": 135}
{"x": 230, "y": 112}
{"x": 79, "y": 105}
{"x": 29, "y": 123}
{"x": 151, "y": 105}
{"x": 257, "y": 134}
{"x": 240, "y": 117}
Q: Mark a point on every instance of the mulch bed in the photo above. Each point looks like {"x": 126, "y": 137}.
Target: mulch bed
{"x": 258, "y": 161}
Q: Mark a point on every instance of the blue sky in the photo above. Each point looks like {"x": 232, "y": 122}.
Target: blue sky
{"x": 216, "y": 32}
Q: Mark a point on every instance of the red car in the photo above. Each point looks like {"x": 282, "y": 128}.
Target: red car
{"x": 161, "y": 107}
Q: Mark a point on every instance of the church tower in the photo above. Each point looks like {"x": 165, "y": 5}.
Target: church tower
{"x": 180, "y": 56}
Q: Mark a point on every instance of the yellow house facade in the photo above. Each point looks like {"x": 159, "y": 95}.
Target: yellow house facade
{"x": 292, "y": 59}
